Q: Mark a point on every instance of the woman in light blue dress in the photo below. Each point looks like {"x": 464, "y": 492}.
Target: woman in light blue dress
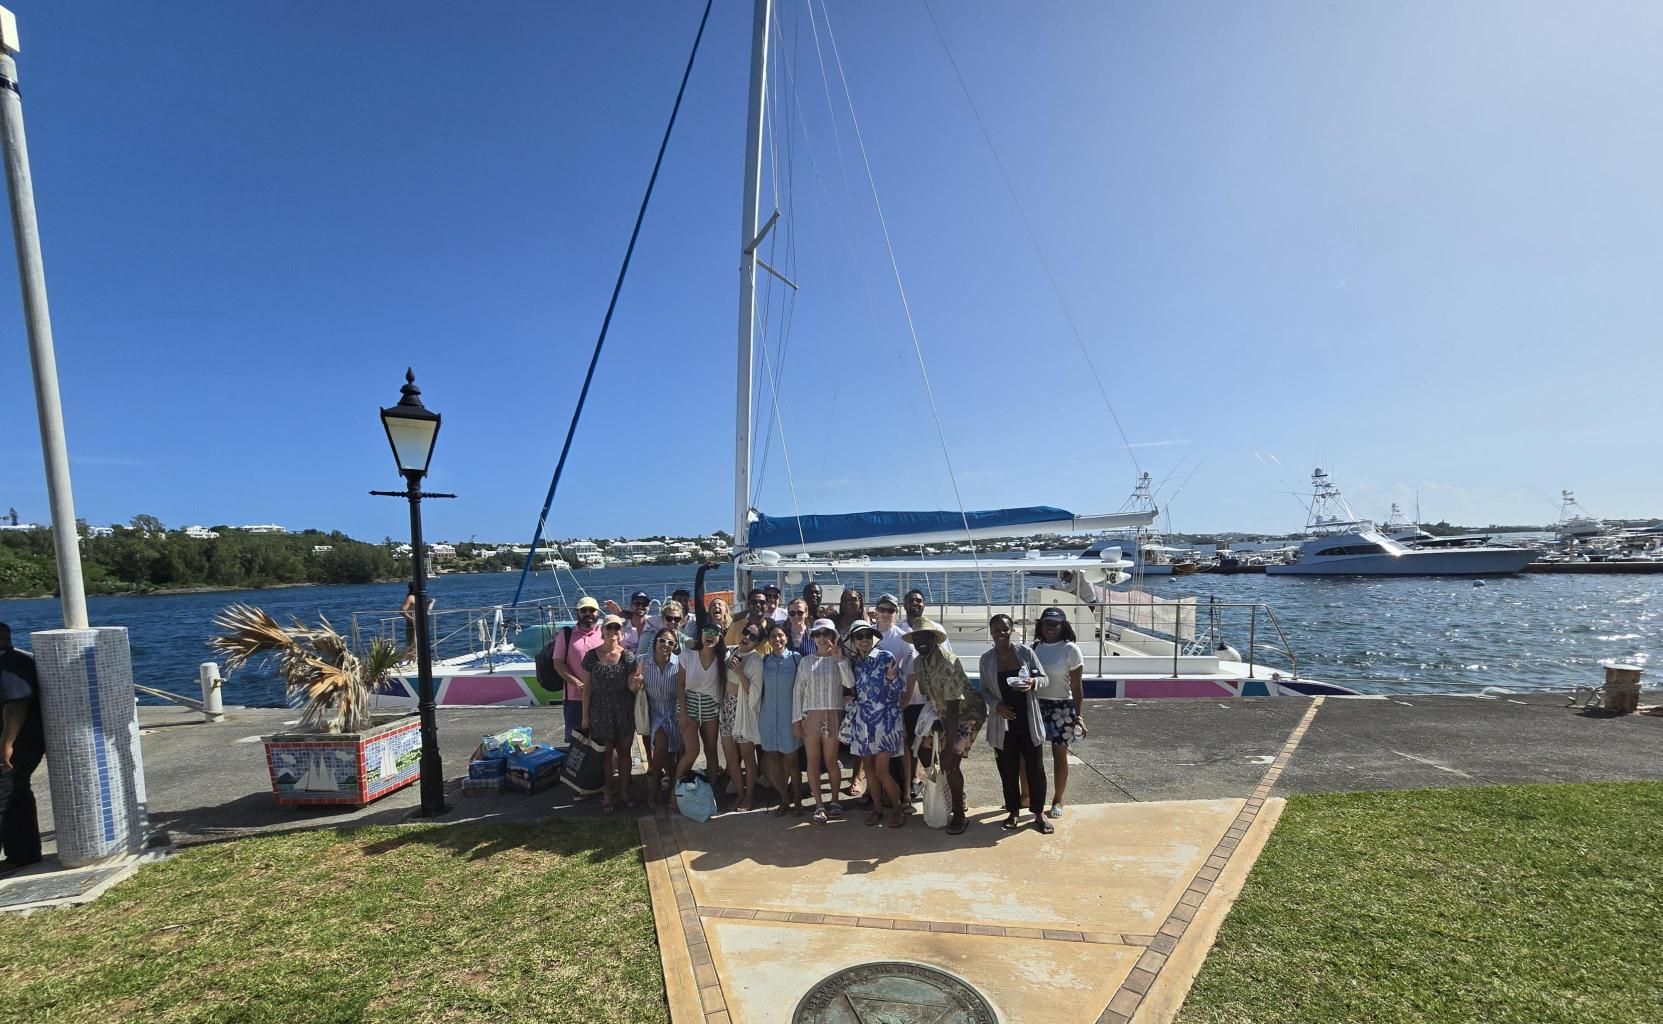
{"x": 773, "y": 669}
{"x": 658, "y": 676}
{"x": 875, "y": 730}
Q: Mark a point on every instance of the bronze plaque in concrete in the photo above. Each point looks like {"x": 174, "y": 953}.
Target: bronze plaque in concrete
{"x": 893, "y": 993}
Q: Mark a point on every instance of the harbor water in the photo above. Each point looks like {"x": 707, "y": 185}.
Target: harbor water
{"x": 1383, "y": 635}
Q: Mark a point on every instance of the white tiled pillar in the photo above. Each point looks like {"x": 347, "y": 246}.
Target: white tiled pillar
{"x": 92, "y": 742}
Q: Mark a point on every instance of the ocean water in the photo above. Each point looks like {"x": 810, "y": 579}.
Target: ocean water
{"x": 1405, "y": 635}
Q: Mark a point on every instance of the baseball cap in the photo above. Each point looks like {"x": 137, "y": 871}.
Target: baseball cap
{"x": 588, "y": 602}
{"x": 823, "y": 626}
{"x": 890, "y": 600}
{"x": 640, "y": 595}
{"x": 1053, "y": 614}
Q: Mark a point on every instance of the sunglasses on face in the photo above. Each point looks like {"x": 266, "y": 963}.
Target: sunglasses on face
{"x": 613, "y": 626}
{"x": 672, "y": 618}
{"x": 797, "y": 615}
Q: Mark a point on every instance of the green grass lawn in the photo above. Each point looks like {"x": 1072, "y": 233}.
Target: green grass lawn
{"x": 501, "y": 923}
{"x": 1528, "y": 904}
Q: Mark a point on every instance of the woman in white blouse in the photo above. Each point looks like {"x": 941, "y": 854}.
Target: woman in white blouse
{"x": 817, "y": 712}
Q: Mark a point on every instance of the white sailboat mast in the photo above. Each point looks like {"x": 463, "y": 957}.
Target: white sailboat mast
{"x": 748, "y": 242}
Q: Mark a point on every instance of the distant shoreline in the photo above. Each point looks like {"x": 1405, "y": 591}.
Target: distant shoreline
{"x": 164, "y": 591}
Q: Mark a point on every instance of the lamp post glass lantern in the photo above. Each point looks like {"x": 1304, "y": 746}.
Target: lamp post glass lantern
{"x": 411, "y": 430}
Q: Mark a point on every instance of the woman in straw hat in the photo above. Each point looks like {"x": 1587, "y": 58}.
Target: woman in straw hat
{"x": 959, "y": 712}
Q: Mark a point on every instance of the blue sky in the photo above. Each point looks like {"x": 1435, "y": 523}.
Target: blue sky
{"x": 1413, "y": 243}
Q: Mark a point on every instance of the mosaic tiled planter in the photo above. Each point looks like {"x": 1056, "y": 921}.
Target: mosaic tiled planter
{"x": 344, "y": 768}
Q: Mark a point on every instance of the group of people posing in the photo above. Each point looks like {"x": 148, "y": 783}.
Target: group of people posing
{"x": 774, "y": 691}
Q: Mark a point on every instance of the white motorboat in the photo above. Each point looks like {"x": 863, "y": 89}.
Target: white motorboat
{"x": 1574, "y": 521}
{"x": 1344, "y": 544}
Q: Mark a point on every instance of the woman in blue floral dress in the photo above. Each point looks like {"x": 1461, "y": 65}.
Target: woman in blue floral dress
{"x": 875, "y": 731}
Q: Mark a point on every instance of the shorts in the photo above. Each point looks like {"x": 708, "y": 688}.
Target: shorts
{"x": 822, "y": 724}
{"x": 701, "y": 707}
{"x": 1059, "y": 717}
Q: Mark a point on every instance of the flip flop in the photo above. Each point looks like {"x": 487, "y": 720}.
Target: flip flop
{"x": 873, "y": 817}
{"x": 1055, "y": 811}
{"x": 1043, "y": 827}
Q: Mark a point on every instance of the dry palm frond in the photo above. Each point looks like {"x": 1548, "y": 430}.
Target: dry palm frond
{"x": 316, "y": 664}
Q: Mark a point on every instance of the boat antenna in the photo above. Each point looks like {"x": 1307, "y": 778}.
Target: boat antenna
{"x": 606, "y": 322}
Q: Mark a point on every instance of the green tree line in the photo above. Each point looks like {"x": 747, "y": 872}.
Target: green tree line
{"x": 146, "y": 558}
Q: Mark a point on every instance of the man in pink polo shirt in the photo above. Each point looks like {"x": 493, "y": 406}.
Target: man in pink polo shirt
{"x": 568, "y": 659}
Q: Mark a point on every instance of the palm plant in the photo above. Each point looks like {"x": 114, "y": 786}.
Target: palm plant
{"x": 316, "y": 665}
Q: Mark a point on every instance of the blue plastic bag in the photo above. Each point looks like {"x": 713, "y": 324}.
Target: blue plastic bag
{"x": 695, "y": 800}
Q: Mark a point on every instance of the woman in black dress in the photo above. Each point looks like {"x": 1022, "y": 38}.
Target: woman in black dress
{"x": 610, "y": 679}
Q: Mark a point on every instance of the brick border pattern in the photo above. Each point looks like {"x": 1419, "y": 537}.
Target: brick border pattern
{"x": 665, "y": 844}
{"x": 1144, "y": 973}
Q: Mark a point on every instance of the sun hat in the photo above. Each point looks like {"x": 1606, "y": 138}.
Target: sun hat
{"x": 1053, "y": 614}
{"x": 888, "y": 599}
{"x": 862, "y": 627}
{"x": 588, "y": 602}
{"x": 823, "y": 626}
{"x": 925, "y": 627}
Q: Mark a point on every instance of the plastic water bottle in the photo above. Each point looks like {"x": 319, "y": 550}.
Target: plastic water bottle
{"x": 1024, "y": 682}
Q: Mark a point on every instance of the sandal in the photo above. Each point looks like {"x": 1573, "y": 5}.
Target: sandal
{"x": 873, "y": 817}
{"x": 1055, "y": 811}
{"x": 1010, "y": 824}
{"x": 1042, "y": 826}
{"x": 819, "y": 816}
{"x": 835, "y": 811}
{"x": 896, "y": 818}
{"x": 779, "y": 812}
{"x": 956, "y": 826}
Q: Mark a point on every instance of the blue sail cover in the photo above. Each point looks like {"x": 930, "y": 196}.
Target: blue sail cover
{"x": 795, "y": 531}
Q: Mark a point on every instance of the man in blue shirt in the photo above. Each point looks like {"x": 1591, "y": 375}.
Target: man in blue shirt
{"x": 22, "y": 745}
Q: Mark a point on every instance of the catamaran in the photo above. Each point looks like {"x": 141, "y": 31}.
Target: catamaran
{"x": 1135, "y": 644}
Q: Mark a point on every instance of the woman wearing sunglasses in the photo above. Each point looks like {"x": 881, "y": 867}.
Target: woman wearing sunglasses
{"x": 740, "y": 703}
{"x": 796, "y": 628}
{"x": 610, "y": 679}
{"x": 701, "y": 676}
{"x": 659, "y": 675}
{"x": 875, "y": 729}
{"x": 817, "y": 713}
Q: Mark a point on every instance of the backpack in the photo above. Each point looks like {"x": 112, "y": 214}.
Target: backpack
{"x": 547, "y": 677}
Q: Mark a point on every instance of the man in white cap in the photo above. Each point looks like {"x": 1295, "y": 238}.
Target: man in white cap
{"x": 568, "y": 649}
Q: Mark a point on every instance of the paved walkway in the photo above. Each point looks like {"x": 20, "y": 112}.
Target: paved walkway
{"x": 752, "y": 912}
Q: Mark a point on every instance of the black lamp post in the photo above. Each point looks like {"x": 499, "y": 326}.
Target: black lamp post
{"x": 411, "y": 430}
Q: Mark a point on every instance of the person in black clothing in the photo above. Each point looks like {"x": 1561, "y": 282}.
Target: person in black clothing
{"x": 22, "y": 745}
{"x": 1015, "y": 728}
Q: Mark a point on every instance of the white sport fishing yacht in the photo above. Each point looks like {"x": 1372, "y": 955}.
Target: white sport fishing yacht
{"x": 1342, "y": 543}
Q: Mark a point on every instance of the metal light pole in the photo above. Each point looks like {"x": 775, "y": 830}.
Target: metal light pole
{"x": 31, "y": 272}
{"x": 411, "y": 430}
